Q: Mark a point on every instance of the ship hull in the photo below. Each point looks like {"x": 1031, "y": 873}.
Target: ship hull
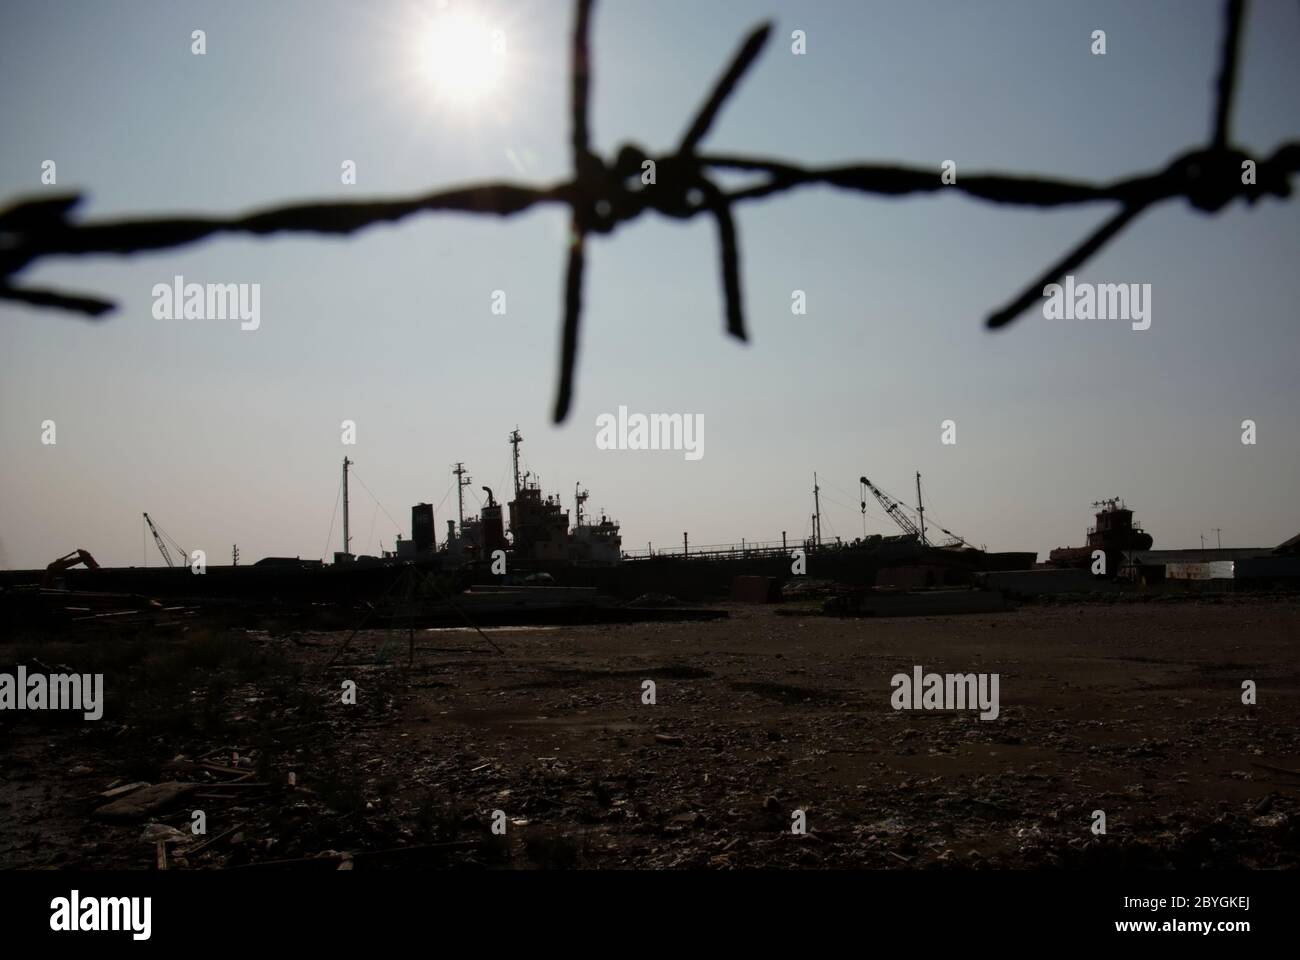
{"x": 702, "y": 577}
{"x": 339, "y": 583}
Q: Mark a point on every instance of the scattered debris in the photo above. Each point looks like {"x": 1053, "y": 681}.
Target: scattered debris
{"x": 147, "y": 800}
{"x": 654, "y": 600}
{"x": 161, "y": 833}
{"x": 123, "y": 790}
{"x": 554, "y": 741}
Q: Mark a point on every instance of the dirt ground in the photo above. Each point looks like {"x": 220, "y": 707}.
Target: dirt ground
{"x": 1134, "y": 709}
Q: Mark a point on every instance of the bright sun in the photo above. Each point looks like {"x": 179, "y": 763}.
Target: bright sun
{"x": 462, "y": 57}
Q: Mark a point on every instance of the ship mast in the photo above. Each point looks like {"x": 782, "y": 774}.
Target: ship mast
{"x": 462, "y": 481}
{"x": 515, "y": 440}
{"x": 347, "y": 540}
{"x": 580, "y": 497}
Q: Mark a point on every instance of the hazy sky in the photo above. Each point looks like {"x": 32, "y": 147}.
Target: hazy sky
{"x": 227, "y": 436}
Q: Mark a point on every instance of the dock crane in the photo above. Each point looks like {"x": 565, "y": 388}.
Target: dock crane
{"x": 892, "y": 507}
{"x": 162, "y": 547}
{"x": 899, "y": 516}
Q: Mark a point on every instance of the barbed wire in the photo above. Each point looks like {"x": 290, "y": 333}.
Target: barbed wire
{"x": 601, "y": 196}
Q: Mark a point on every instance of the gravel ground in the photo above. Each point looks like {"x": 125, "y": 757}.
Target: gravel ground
{"x": 1134, "y": 709}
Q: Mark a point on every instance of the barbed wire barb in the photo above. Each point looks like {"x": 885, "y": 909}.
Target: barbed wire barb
{"x": 600, "y": 197}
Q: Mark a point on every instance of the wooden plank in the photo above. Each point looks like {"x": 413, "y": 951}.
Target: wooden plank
{"x": 143, "y": 802}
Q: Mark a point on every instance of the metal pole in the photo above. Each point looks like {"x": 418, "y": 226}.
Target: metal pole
{"x": 686, "y": 547}
{"x": 817, "y": 507}
{"x": 347, "y": 540}
{"x": 920, "y": 507}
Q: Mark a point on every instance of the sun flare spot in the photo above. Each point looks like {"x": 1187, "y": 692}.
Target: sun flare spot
{"x": 462, "y": 57}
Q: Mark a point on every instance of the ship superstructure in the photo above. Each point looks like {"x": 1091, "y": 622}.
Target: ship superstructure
{"x": 1114, "y": 534}
{"x": 533, "y": 528}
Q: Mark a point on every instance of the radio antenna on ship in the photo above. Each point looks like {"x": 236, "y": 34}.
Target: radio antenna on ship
{"x": 515, "y": 439}
{"x": 580, "y": 497}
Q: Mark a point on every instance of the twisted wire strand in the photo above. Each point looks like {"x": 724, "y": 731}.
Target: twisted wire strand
{"x": 602, "y": 196}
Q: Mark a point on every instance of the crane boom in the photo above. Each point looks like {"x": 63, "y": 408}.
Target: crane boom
{"x": 162, "y": 547}
{"x": 892, "y": 508}
{"x": 956, "y": 539}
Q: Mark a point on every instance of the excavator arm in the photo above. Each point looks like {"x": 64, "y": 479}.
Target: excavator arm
{"x": 54, "y": 568}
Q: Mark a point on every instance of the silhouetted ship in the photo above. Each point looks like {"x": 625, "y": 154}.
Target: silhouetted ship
{"x": 530, "y": 541}
{"x": 1114, "y": 534}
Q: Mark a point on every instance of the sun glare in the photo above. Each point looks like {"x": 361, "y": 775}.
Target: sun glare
{"x": 462, "y": 58}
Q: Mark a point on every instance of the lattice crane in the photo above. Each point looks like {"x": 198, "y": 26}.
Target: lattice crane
{"x": 162, "y": 547}
{"x": 892, "y": 507}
